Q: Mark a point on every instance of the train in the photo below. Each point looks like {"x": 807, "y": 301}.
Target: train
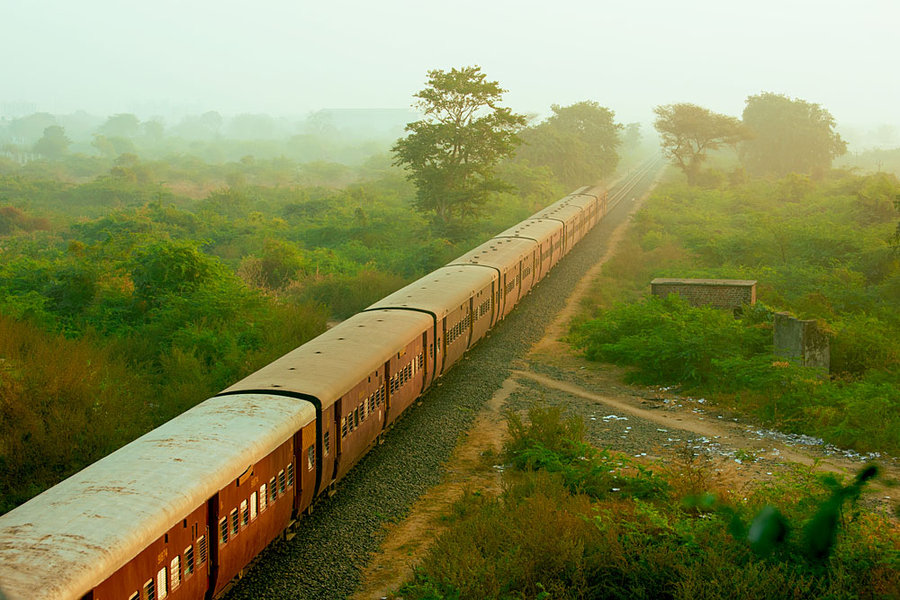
{"x": 180, "y": 512}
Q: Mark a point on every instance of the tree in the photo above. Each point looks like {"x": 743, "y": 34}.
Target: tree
{"x": 452, "y": 153}
{"x": 578, "y": 142}
{"x": 122, "y": 125}
{"x": 689, "y": 131}
{"x": 788, "y": 136}
{"x": 54, "y": 143}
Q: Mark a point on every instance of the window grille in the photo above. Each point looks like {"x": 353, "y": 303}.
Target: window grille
{"x": 344, "y": 429}
{"x": 223, "y": 531}
{"x": 290, "y": 468}
{"x": 263, "y": 498}
{"x": 253, "y": 511}
{"x": 161, "y": 581}
{"x": 326, "y": 443}
{"x": 281, "y": 482}
{"x": 188, "y": 561}
{"x": 175, "y": 572}
{"x": 235, "y": 522}
{"x": 149, "y": 591}
{"x": 245, "y": 513}
{"x": 310, "y": 458}
{"x": 273, "y": 491}
{"x": 134, "y": 596}
{"x": 201, "y": 550}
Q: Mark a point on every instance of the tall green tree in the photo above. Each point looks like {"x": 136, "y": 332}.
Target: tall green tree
{"x": 452, "y": 153}
{"x": 54, "y": 143}
{"x": 579, "y": 143}
{"x": 788, "y": 136}
{"x": 689, "y": 131}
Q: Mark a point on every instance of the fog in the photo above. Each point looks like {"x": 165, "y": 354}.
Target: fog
{"x": 173, "y": 58}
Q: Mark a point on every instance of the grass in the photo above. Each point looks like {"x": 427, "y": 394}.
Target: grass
{"x": 694, "y": 536}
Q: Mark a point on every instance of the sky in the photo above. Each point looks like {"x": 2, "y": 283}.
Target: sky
{"x": 291, "y": 57}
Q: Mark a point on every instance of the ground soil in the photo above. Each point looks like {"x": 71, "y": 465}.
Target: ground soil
{"x": 630, "y": 419}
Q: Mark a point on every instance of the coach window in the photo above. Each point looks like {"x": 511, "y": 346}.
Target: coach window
{"x": 290, "y": 469}
{"x": 175, "y": 572}
{"x": 201, "y": 550}
{"x": 188, "y": 561}
{"x": 223, "y": 531}
{"x": 245, "y": 513}
{"x": 326, "y": 443}
{"x": 280, "y": 482}
{"x": 263, "y": 498}
{"x": 134, "y": 596}
{"x": 149, "y": 590}
{"x": 310, "y": 458}
{"x": 161, "y": 580}
{"x": 235, "y": 522}
{"x": 273, "y": 491}
{"x": 252, "y": 506}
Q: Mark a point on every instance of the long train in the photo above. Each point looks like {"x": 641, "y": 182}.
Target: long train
{"x": 181, "y": 511}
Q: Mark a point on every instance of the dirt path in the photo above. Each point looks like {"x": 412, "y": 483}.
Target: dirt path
{"x": 637, "y": 420}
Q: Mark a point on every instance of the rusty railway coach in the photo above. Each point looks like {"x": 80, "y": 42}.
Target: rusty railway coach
{"x": 181, "y": 511}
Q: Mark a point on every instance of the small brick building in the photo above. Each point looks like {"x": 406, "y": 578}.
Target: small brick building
{"x": 719, "y": 293}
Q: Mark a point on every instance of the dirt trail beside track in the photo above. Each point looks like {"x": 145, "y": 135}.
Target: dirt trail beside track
{"x": 646, "y": 423}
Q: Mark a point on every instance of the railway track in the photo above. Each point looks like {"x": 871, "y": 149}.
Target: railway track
{"x": 322, "y": 556}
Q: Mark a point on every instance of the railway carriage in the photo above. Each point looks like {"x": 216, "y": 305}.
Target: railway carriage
{"x": 181, "y": 511}
{"x": 176, "y": 512}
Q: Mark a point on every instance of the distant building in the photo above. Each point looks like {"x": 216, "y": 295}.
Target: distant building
{"x": 719, "y": 293}
{"x": 14, "y": 110}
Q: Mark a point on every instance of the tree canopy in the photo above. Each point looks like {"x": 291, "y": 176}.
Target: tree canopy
{"x": 452, "y": 153}
{"x": 54, "y": 143}
{"x": 788, "y": 135}
{"x": 689, "y": 131}
{"x": 578, "y": 143}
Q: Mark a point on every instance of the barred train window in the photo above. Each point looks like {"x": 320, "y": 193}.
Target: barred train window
{"x": 149, "y": 591}
{"x": 245, "y": 513}
{"x": 134, "y": 596}
{"x": 290, "y": 469}
{"x": 344, "y": 430}
{"x": 253, "y": 506}
{"x": 273, "y": 491}
{"x": 188, "y": 561}
{"x": 310, "y": 458}
{"x": 281, "y": 482}
{"x": 263, "y": 498}
{"x": 235, "y": 523}
{"x": 326, "y": 443}
{"x": 223, "y": 531}
{"x": 161, "y": 583}
{"x": 175, "y": 572}
{"x": 201, "y": 550}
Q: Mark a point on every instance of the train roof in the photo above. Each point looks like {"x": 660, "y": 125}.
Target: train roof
{"x": 74, "y": 535}
{"x": 441, "y": 291}
{"x": 564, "y": 212}
{"x": 536, "y": 229}
{"x": 328, "y": 366}
{"x": 498, "y": 252}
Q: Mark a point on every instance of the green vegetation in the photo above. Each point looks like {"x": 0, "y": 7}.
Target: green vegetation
{"x": 452, "y": 154}
{"x": 164, "y": 263}
{"x": 689, "y": 132}
{"x": 788, "y": 136}
{"x": 676, "y": 531}
{"x": 818, "y": 249}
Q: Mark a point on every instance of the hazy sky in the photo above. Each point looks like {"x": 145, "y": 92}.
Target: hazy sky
{"x": 291, "y": 57}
